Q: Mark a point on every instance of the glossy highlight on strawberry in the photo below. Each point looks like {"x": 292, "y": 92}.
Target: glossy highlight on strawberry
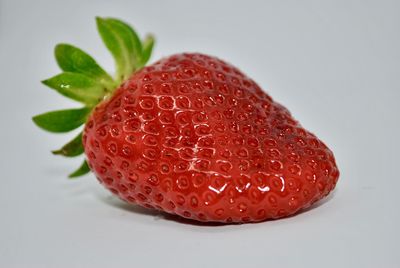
{"x": 193, "y": 136}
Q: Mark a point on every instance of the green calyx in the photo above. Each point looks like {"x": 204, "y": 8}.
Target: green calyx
{"x": 85, "y": 81}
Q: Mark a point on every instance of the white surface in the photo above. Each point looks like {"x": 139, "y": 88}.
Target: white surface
{"x": 334, "y": 64}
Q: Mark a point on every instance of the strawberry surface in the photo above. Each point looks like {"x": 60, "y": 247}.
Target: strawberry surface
{"x": 193, "y": 136}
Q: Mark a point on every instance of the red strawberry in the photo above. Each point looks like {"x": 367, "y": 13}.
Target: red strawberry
{"x": 190, "y": 135}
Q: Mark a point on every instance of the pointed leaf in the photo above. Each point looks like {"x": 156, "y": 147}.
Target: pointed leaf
{"x": 123, "y": 43}
{"x": 129, "y": 34}
{"x": 72, "y": 148}
{"x": 77, "y": 86}
{"x": 62, "y": 120}
{"x": 148, "y": 44}
{"x": 73, "y": 59}
{"x": 82, "y": 170}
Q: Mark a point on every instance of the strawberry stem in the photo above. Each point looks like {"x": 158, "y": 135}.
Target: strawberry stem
{"x": 85, "y": 81}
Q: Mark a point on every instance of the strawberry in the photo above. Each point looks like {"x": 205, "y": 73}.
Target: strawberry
{"x": 190, "y": 134}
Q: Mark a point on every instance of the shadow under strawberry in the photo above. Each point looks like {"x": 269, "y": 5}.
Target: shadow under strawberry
{"x": 159, "y": 214}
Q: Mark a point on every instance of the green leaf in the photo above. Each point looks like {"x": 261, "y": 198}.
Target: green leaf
{"x": 129, "y": 34}
{"x": 123, "y": 43}
{"x": 72, "y": 148}
{"x": 148, "y": 44}
{"x": 62, "y": 120}
{"x": 82, "y": 170}
{"x": 77, "y": 86}
{"x": 73, "y": 59}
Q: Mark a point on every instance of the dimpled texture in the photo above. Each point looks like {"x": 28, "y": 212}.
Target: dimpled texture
{"x": 193, "y": 136}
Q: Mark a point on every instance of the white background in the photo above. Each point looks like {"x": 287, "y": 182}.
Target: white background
{"x": 334, "y": 64}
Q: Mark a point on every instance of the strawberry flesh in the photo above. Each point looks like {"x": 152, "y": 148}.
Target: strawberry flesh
{"x": 193, "y": 136}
